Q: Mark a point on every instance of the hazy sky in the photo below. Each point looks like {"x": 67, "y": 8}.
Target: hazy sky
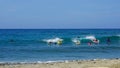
{"x": 59, "y": 14}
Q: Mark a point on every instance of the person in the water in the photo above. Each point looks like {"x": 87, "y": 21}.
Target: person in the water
{"x": 89, "y": 43}
{"x": 96, "y": 41}
{"x": 11, "y": 40}
{"x": 77, "y": 40}
{"x": 78, "y": 36}
{"x": 49, "y": 43}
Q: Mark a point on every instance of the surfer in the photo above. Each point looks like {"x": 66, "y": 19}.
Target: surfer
{"x": 96, "y": 41}
{"x": 89, "y": 43}
{"x": 59, "y": 42}
{"x": 49, "y": 43}
{"x": 76, "y": 40}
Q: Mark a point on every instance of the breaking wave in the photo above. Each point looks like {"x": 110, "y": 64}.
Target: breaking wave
{"x": 85, "y": 39}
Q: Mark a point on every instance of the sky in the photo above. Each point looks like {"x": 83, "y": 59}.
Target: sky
{"x": 59, "y": 14}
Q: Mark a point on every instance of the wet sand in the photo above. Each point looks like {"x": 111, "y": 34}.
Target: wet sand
{"x": 97, "y": 63}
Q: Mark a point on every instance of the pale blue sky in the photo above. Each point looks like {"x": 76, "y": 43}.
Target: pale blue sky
{"x": 41, "y": 14}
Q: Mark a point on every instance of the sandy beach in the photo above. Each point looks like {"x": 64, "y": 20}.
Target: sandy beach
{"x": 97, "y": 63}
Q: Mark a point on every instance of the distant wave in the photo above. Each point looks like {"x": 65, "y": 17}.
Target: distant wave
{"x": 89, "y": 37}
{"x": 85, "y": 39}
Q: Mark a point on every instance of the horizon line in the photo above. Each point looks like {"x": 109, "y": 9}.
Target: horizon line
{"x": 59, "y": 28}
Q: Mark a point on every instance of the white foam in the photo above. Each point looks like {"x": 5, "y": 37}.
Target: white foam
{"x": 74, "y": 40}
{"x": 90, "y": 37}
{"x": 50, "y": 61}
{"x": 54, "y": 40}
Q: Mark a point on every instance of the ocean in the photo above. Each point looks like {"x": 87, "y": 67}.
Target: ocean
{"x": 32, "y": 45}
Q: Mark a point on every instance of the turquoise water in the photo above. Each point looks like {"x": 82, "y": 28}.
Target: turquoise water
{"x": 28, "y": 45}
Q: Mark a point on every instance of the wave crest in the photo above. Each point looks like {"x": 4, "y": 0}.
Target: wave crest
{"x": 54, "y": 40}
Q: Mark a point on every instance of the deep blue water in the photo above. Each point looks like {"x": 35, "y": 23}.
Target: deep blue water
{"x": 27, "y": 45}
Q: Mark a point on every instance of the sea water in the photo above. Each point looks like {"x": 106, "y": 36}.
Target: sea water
{"x": 28, "y": 45}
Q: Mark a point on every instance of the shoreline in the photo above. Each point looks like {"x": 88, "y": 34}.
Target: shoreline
{"x": 56, "y": 61}
{"x": 95, "y": 63}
